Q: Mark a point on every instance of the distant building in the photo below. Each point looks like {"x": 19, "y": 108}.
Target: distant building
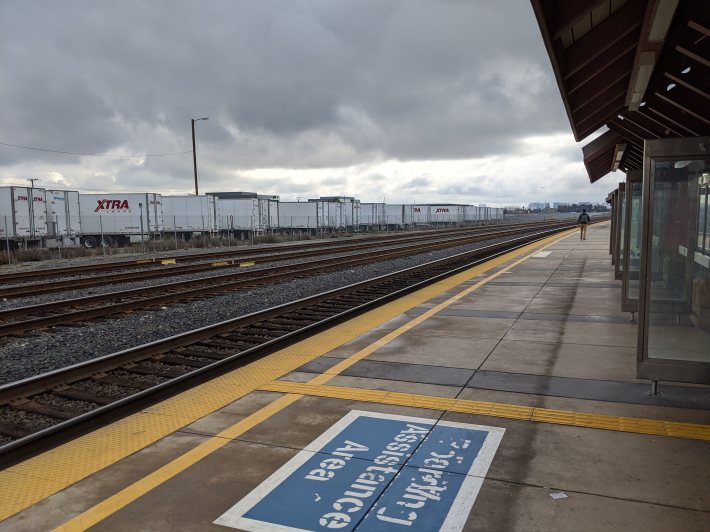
{"x": 538, "y": 206}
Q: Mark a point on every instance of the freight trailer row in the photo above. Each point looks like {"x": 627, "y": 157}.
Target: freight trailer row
{"x": 50, "y": 218}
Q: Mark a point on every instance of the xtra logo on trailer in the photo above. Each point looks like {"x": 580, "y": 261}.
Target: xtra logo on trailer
{"x": 442, "y": 210}
{"x": 112, "y": 205}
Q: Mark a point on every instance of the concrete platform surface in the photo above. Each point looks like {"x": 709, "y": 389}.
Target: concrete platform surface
{"x": 503, "y": 400}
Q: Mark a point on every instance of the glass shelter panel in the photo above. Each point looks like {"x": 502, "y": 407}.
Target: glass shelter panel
{"x": 675, "y": 332}
{"x": 632, "y": 248}
{"x": 621, "y": 203}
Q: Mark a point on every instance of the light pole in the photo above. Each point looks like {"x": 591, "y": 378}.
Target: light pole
{"x": 194, "y": 152}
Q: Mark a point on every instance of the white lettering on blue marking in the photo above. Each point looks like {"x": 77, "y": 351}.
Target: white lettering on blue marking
{"x": 329, "y": 465}
{"x": 391, "y": 457}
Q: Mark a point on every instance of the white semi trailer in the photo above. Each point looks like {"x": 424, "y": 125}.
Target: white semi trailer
{"x": 398, "y": 215}
{"x": 23, "y": 216}
{"x": 120, "y": 218}
{"x": 446, "y": 213}
{"x": 339, "y": 212}
{"x": 187, "y": 215}
{"x": 372, "y": 215}
{"x": 244, "y": 213}
{"x": 419, "y": 215}
{"x": 302, "y": 215}
{"x": 63, "y": 218}
{"x": 471, "y": 214}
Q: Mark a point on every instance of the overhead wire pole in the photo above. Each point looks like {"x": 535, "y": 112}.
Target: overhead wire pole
{"x": 194, "y": 150}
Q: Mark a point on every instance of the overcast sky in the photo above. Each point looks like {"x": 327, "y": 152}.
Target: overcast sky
{"x": 407, "y": 100}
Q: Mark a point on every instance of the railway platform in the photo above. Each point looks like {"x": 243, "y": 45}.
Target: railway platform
{"x": 502, "y": 398}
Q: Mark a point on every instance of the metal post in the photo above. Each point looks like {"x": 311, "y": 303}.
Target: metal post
{"x": 59, "y": 237}
{"x": 175, "y": 230}
{"x": 101, "y": 228}
{"x": 140, "y": 207}
{"x": 654, "y": 388}
{"x": 194, "y": 155}
{"x": 7, "y": 243}
{"x": 204, "y": 236}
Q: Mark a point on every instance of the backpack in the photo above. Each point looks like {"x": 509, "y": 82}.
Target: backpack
{"x": 583, "y": 218}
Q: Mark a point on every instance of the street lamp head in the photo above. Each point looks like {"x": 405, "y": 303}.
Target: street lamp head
{"x": 196, "y": 119}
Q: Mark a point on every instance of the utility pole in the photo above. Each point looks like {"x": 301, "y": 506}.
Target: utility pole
{"x": 194, "y": 150}
{"x": 32, "y": 180}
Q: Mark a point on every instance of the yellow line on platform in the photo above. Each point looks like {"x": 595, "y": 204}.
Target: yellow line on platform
{"x": 653, "y": 427}
{"x": 129, "y": 494}
{"x": 114, "y": 503}
{"x": 35, "y": 479}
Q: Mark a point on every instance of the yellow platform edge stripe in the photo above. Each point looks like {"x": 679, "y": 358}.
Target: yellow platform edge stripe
{"x": 127, "y": 495}
{"x": 653, "y": 427}
{"x": 37, "y": 478}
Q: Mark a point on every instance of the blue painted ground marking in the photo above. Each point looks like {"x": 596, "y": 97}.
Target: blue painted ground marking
{"x": 374, "y": 471}
{"x": 416, "y": 500}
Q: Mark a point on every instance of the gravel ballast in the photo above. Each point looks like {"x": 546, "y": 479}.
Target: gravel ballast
{"x": 63, "y": 346}
{"x": 8, "y": 304}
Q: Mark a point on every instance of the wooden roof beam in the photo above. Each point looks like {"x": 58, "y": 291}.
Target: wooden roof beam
{"x": 590, "y": 122}
{"x": 693, "y": 56}
{"x": 626, "y": 131}
{"x": 645, "y": 129}
{"x": 657, "y": 21}
{"x": 685, "y": 82}
{"x": 667, "y": 115}
{"x": 619, "y": 150}
{"x": 699, "y": 28}
{"x": 615, "y": 63}
{"x": 566, "y": 14}
{"x": 620, "y": 25}
{"x": 601, "y": 143}
{"x": 595, "y": 96}
{"x": 688, "y": 102}
{"x": 668, "y": 129}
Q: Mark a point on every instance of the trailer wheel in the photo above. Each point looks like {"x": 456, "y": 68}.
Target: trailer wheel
{"x": 106, "y": 241}
{"x": 90, "y": 242}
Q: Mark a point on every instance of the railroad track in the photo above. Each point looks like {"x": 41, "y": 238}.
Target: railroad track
{"x": 34, "y": 317}
{"x": 236, "y": 254}
{"x": 43, "y": 411}
{"x": 156, "y": 267}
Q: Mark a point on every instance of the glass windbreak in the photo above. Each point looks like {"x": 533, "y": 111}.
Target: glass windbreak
{"x": 622, "y": 224}
{"x": 704, "y": 219}
{"x": 633, "y": 247}
{"x": 679, "y": 303}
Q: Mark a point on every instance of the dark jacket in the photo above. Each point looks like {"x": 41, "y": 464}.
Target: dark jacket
{"x": 583, "y": 218}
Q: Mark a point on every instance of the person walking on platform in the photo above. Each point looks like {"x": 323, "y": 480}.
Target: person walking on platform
{"x": 583, "y": 222}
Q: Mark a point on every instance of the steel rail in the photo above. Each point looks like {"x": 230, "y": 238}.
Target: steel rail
{"x": 48, "y": 287}
{"x": 221, "y": 347}
{"x": 86, "y": 308}
{"x": 237, "y": 254}
{"x": 194, "y": 257}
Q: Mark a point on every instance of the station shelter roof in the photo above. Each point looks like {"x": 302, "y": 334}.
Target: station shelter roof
{"x": 640, "y": 68}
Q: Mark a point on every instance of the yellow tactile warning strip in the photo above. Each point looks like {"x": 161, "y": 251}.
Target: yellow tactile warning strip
{"x": 37, "y": 478}
{"x": 527, "y": 413}
{"x": 139, "y": 488}
{"x": 136, "y": 490}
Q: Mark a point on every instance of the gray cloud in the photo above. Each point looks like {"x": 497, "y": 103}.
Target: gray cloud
{"x": 301, "y": 84}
